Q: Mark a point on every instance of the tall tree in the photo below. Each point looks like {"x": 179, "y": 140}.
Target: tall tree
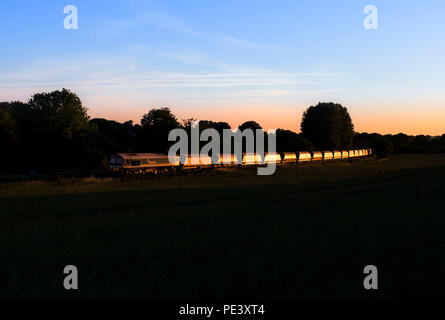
{"x": 328, "y": 126}
{"x": 55, "y": 128}
{"x": 155, "y": 127}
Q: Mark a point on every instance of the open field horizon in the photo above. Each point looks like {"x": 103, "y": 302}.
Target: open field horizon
{"x": 220, "y": 177}
{"x": 304, "y": 233}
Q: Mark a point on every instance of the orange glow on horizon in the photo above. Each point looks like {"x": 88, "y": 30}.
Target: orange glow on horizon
{"x": 383, "y": 121}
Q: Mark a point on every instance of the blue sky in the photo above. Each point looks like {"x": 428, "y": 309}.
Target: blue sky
{"x": 233, "y": 60}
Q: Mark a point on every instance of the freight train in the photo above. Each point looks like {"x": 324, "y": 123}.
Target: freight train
{"x": 154, "y": 163}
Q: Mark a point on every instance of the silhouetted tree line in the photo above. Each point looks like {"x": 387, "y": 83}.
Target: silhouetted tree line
{"x": 53, "y": 131}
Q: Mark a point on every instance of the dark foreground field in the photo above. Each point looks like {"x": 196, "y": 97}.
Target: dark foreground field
{"x": 307, "y": 232}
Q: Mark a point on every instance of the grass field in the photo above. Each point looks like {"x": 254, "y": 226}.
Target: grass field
{"x": 305, "y": 233}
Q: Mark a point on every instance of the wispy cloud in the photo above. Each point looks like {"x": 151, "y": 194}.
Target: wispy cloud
{"x": 193, "y": 58}
{"x": 247, "y": 44}
{"x": 124, "y": 74}
{"x": 35, "y": 78}
{"x": 167, "y": 21}
{"x": 261, "y": 93}
{"x": 161, "y": 19}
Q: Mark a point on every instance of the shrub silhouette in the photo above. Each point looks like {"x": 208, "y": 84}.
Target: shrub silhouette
{"x": 383, "y": 147}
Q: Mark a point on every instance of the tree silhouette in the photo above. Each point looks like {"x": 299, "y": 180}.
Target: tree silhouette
{"x": 253, "y": 126}
{"x": 8, "y": 139}
{"x": 328, "y": 126}
{"x": 383, "y": 147}
{"x": 155, "y": 127}
{"x": 218, "y": 126}
{"x": 250, "y": 125}
{"x": 53, "y": 130}
{"x": 442, "y": 140}
{"x": 289, "y": 141}
{"x": 115, "y": 136}
{"x": 401, "y": 142}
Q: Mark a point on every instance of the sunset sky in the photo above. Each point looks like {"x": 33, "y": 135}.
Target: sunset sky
{"x": 233, "y": 60}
